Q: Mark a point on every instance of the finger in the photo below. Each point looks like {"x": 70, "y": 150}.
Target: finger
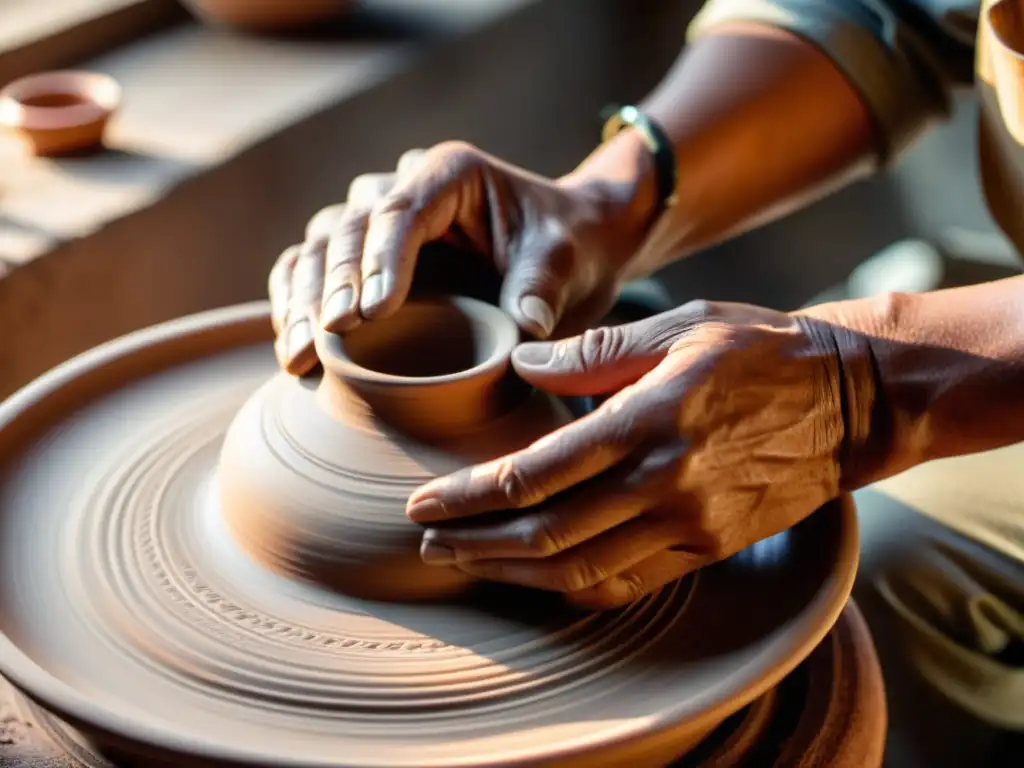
{"x": 583, "y": 567}
{"x": 366, "y": 190}
{"x": 636, "y": 582}
{"x": 295, "y": 345}
{"x": 577, "y": 516}
{"x": 339, "y": 310}
{"x": 410, "y": 161}
{"x": 568, "y": 456}
{"x": 323, "y": 221}
{"x": 535, "y": 289}
{"x": 569, "y": 518}
{"x": 420, "y": 208}
{"x": 603, "y": 360}
{"x": 279, "y": 286}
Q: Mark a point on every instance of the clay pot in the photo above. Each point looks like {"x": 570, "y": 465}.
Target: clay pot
{"x": 314, "y": 476}
{"x": 58, "y": 113}
{"x": 132, "y": 606}
{"x": 1002, "y": 50}
{"x": 266, "y": 15}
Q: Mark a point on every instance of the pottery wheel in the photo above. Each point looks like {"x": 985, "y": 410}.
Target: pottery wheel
{"x": 830, "y": 709}
{"x": 127, "y": 609}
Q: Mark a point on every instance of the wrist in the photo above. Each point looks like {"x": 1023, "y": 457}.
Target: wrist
{"x": 619, "y": 177}
{"x": 871, "y": 449}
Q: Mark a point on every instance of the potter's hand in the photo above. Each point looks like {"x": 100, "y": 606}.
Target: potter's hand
{"x": 725, "y": 428}
{"x": 560, "y": 245}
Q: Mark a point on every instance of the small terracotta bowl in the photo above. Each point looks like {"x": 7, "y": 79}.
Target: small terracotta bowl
{"x": 266, "y": 15}
{"x": 62, "y": 112}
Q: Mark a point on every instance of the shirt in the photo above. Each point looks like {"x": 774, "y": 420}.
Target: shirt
{"x": 906, "y": 58}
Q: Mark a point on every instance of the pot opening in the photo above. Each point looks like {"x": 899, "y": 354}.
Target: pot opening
{"x": 53, "y": 100}
{"x": 422, "y": 340}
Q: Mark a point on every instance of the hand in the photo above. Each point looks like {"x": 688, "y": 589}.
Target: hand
{"x": 560, "y": 245}
{"x": 725, "y": 428}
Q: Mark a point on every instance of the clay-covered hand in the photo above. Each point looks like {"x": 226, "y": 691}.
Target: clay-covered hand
{"x": 560, "y": 246}
{"x": 724, "y": 428}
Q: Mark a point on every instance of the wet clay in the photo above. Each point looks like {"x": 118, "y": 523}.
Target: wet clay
{"x": 315, "y": 474}
{"x": 829, "y": 711}
{"x": 132, "y": 608}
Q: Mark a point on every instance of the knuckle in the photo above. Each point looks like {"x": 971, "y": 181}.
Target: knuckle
{"x": 353, "y": 222}
{"x": 516, "y": 490}
{"x": 699, "y": 310}
{"x": 342, "y": 268}
{"x": 592, "y": 349}
{"x": 578, "y": 574}
{"x": 630, "y": 588}
{"x": 601, "y": 345}
{"x": 366, "y": 188}
{"x": 393, "y": 203}
{"x": 667, "y": 330}
{"x": 322, "y": 222}
{"x": 286, "y": 260}
{"x": 543, "y": 537}
{"x": 340, "y": 275}
{"x": 343, "y": 259}
{"x": 450, "y": 160}
{"x": 409, "y": 159}
{"x": 455, "y": 153}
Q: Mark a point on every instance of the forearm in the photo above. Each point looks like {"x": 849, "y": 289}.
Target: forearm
{"x": 929, "y": 375}
{"x": 761, "y": 123}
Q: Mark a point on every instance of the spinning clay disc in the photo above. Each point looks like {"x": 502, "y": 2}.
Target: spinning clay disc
{"x": 831, "y": 709}
{"x": 131, "y": 609}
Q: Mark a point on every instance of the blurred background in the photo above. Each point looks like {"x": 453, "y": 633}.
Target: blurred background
{"x": 228, "y": 138}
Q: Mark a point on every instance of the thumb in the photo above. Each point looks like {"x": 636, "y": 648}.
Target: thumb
{"x": 597, "y": 362}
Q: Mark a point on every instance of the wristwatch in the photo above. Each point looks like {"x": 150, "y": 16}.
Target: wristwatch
{"x": 618, "y": 119}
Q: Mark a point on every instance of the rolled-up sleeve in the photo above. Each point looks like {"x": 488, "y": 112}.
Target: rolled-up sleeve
{"x": 905, "y": 63}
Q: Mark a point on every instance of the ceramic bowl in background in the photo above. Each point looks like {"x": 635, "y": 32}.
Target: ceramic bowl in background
{"x": 265, "y": 15}
{"x": 60, "y": 112}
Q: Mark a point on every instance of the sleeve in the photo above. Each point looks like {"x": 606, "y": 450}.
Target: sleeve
{"x": 905, "y": 59}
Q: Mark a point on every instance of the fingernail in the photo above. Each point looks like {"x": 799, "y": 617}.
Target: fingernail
{"x": 336, "y": 307}
{"x": 373, "y": 292}
{"x": 533, "y": 355}
{"x": 433, "y": 553}
{"x": 300, "y": 336}
{"x": 426, "y": 511}
{"x": 538, "y": 312}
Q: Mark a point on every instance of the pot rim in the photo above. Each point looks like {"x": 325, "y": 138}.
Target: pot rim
{"x": 331, "y": 348}
{"x": 808, "y": 628}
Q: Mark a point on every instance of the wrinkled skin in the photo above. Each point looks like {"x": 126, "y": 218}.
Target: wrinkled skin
{"x": 560, "y": 245}
{"x": 724, "y": 428}
{"x": 723, "y": 423}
